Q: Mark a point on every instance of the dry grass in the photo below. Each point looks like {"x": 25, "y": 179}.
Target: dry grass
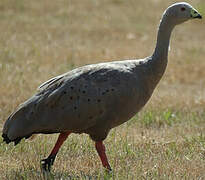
{"x": 41, "y": 39}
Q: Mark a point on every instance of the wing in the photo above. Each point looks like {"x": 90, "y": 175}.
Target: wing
{"x": 84, "y": 98}
{"x": 49, "y": 83}
{"x": 72, "y": 102}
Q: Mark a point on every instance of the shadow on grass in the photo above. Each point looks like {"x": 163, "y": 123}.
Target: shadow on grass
{"x": 40, "y": 175}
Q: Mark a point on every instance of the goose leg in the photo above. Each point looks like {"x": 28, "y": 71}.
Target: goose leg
{"x": 48, "y": 162}
{"x": 101, "y": 152}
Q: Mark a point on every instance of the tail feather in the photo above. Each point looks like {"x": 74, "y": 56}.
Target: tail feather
{"x": 16, "y": 141}
{"x": 24, "y": 122}
{"x": 21, "y": 123}
{"x": 6, "y": 139}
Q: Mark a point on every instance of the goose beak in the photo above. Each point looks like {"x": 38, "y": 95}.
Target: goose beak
{"x": 195, "y": 14}
{"x": 198, "y": 16}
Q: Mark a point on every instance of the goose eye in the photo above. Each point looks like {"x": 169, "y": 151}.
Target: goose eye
{"x": 183, "y": 9}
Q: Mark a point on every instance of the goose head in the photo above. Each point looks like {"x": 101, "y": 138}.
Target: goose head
{"x": 181, "y": 12}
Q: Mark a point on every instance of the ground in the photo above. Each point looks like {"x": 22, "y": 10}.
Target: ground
{"x": 42, "y": 39}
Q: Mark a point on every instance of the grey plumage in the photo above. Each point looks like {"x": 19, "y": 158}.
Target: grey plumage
{"x": 91, "y": 99}
{"x": 95, "y": 98}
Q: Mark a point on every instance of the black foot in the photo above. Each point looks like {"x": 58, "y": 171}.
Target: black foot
{"x": 47, "y": 163}
{"x": 108, "y": 169}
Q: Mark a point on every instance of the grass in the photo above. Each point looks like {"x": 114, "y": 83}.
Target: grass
{"x": 42, "y": 39}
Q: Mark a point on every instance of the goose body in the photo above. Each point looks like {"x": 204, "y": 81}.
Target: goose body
{"x": 91, "y": 99}
{"x": 95, "y": 98}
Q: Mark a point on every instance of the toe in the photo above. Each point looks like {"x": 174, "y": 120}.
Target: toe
{"x": 45, "y": 164}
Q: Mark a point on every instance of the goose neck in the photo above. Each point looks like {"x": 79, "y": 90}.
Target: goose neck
{"x": 163, "y": 38}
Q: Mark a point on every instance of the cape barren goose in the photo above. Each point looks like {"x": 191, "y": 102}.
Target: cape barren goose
{"x": 95, "y": 98}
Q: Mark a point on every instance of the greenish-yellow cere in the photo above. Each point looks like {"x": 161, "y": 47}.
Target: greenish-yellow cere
{"x": 193, "y": 13}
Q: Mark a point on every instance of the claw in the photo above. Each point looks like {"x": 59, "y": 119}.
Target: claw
{"x": 109, "y": 169}
{"x": 47, "y": 163}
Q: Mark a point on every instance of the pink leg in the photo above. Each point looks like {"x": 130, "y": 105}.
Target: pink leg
{"x": 61, "y": 138}
{"x": 101, "y": 152}
{"x": 47, "y": 163}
